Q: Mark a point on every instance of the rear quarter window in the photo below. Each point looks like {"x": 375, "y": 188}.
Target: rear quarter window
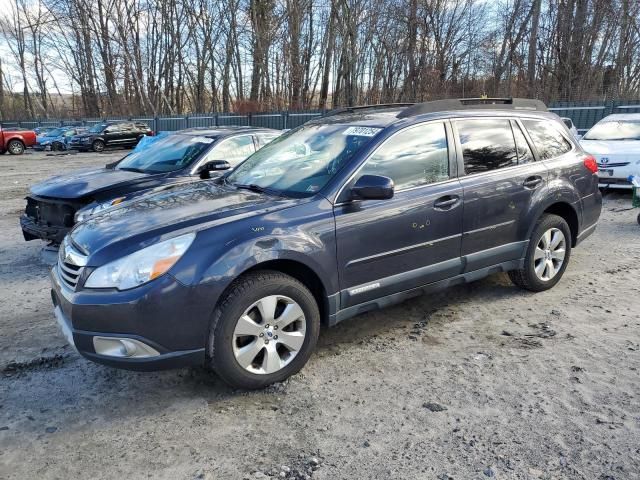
{"x": 546, "y": 136}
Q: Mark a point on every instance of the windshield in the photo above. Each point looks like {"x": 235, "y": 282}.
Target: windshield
{"x": 56, "y": 132}
{"x": 98, "y": 128}
{"x": 168, "y": 154}
{"x": 623, "y": 130}
{"x": 301, "y": 162}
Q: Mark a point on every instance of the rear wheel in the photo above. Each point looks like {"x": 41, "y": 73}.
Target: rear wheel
{"x": 263, "y": 330}
{"x": 547, "y": 255}
{"x": 97, "y": 146}
{"x": 15, "y": 147}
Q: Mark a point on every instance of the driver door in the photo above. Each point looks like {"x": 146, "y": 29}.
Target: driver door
{"x": 412, "y": 239}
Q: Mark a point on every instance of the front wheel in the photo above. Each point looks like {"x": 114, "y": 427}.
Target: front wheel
{"x": 97, "y": 146}
{"x": 263, "y": 330}
{"x": 15, "y": 147}
{"x": 547, "y": 255}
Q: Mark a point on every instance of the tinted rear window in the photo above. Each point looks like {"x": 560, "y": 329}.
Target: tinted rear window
{"x": 547, "y": 139}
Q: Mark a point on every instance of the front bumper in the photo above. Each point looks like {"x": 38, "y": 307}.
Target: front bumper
{"x": 32, "y": 231}
{"x": 615, "y": 177}
{"x": 161, "y": 315}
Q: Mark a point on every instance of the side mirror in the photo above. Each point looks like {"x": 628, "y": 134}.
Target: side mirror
{"x": 213, "y": 166}
{"x": 372, "y": 187}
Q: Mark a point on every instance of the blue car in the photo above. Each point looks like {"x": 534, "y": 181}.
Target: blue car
{"x": 57, "y": 139}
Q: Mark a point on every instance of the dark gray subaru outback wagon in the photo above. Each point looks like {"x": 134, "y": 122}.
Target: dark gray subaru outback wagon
{"x": 357, "y": 210}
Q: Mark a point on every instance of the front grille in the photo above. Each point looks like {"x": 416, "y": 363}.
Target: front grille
{"x": 70, "y": 264}
{"x": 69, "y": 273}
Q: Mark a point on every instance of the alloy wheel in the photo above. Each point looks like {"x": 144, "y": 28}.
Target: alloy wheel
{"x": 15, "y": 147}
{"x": 549, "y": 255}
{"x": 269, "y": 334}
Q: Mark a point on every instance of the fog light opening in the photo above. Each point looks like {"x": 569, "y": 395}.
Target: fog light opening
{"x": 123, "y": 348}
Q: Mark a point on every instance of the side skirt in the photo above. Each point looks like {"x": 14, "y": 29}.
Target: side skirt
{"x": 392, "y": 299}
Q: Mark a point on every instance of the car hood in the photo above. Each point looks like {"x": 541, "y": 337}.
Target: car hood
{"x": 87, "y": 182}
{"x": 620, "y": 148}
{"x": 183, "y": 209}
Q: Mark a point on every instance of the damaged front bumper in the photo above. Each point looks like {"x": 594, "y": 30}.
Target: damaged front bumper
{"x": 31, "y": 230}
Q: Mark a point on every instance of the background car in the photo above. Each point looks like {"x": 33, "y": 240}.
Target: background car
{"x": 15, "y": 141}
{"x": 42, "y": 130}
{"x": 615, "y": 142}
{"x": 110, "y": 135}
{"x": 57, "y": 139}
{"x": 56, "y": 204}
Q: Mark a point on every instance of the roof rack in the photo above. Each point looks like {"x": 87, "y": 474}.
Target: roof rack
{"x": 474, "y": 104}
{"x": 337, "y": 111}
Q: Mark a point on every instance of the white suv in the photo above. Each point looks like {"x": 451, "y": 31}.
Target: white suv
{"x": 615, "y": 142}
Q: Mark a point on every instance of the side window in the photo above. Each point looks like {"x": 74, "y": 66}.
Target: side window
{"x": 524, "y": 151}
{"x": 487, "y": 144}
{"x": 412, "y": 157}
{"x": 548, "y": 140}
{"x": 264, "y": 138}
{"x": 233, "y": 150}
{"x": 114, "y": 128}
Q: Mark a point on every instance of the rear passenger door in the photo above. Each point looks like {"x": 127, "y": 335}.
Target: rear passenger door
{"x": 499, "y": 179}
{"x": 388, "y": 246}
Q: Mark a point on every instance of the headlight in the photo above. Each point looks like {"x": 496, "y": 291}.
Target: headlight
{"x": 83, "y": 214}
{"x": 142, "y": 266}
{"x": 85, "y": 140}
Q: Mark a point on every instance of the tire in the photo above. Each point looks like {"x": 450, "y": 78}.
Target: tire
{"x": 97, "y": 146}
{"x": 549, "y": 270}
{"x": 261, "y": 349}
{"x": 15, "y": 147}
{"x": 57, "y": 147}
{"x": 638, "y": 219}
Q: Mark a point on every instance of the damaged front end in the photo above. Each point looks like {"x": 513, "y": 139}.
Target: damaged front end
{"x": 48, "y": 219}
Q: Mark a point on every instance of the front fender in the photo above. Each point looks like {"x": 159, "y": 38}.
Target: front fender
{"x": 304, "y": 234}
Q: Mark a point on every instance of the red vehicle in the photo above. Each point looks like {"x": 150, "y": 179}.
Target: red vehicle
{"x": 15, "y": 141}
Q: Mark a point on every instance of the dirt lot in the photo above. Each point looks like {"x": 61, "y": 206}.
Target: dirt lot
{"x": 480, "y": 381}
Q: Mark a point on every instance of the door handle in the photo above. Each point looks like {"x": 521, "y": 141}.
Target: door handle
{"x": 532, "y": 182}
{"x": 446, "y": 203}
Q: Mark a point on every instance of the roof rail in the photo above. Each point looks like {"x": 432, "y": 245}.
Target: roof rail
{"x": 474, "y": 104}
{"x": 365, "y": 107}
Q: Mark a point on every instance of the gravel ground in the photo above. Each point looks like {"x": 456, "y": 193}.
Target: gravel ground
{"x": 482, "y": 380}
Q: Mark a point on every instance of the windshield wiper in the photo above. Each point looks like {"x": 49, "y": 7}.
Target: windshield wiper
{"x": 257, "y": 188}
{"x": 132, "y": 169}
